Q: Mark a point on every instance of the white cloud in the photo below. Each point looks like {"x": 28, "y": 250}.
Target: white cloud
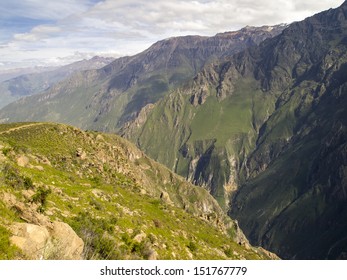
{"x": 128, "y": 26}
{"x": 43, "y": 9}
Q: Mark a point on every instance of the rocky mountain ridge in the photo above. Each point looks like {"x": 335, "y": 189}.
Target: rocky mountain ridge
{"x": 254, "y": 130}
{"x": 106, "y": 99}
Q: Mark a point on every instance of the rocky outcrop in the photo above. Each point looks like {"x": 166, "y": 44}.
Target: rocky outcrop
{"x": 57, "y": 241}
{"x": 115, "y": 94}
{"x": 277, "y": 117}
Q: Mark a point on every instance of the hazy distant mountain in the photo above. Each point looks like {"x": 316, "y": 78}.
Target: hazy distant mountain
{"x": 12, "y": 73}
{"x": 266, "y": 133}
{"x": 41, "y": 79}
{"x": 107, "y": 98}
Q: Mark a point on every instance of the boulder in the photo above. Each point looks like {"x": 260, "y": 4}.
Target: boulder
{"x": 22, "y": 161}
{"x": 31, "y": 239}
{"x": 56, "y": 241}
{"x": 69, "y": 244}
{"x": 164, "y": 196}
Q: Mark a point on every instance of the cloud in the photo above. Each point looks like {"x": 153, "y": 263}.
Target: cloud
{"x": 43, "y": 9}
{"x": 54, "y": 29}
{"x": 208, "y": 17}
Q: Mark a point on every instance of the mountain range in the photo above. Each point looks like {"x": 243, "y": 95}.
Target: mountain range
{"x": 265, "y": 133}
{"x": 256, "y": 117}
{"x": 40, "y": 79}
{"x": 107, "y": 98}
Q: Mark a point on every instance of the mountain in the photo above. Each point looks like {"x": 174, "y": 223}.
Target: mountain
{"x": 72, "y": 194}
{"x": 34, "y": 83}
{"x": 265, "y": 132}
{"x": 7, "y": 74}
{"x": 105, "y": 99}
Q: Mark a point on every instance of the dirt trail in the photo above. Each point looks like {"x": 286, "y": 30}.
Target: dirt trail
{"x": 21, "y": 127}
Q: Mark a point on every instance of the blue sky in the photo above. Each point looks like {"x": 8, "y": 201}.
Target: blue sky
{"x": 43, "y": 32}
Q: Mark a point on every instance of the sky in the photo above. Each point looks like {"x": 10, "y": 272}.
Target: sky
{"x": 46, "y": 33}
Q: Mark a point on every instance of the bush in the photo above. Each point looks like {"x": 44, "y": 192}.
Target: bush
{"x": 192, "y": 246}
{"x": 28, "y": 183}
{"x": 12, "y": 176}
{"x": 14, "y": 179}
{"x": 97, "y": 245}
{"x": 41, "y": 197}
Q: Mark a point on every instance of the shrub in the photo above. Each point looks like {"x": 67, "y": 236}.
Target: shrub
{"x": 41, "y": 197}
{"x": 97, "y": 244}
{"x": 192, "y": 246}
{"x": 14, "y": 179}
{"x": 12, "y": 176}
{"x": 28, "y": 183}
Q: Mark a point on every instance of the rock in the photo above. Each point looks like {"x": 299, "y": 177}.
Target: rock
{"x": 28, "y": 194}
{"x": 153, "y": 255}
{"x": 270, "y": 255}
{"x": 199, "y": 97}
{"x": 57, "y": 241}
{"x": 70, "y": 245}
{"x": 140, "y": 237}
{"x": 38, "y": 167}
{"x": 44, "y": 160}
{"x": 81, "y": 154}
{"x": 164, "y": 196}
{"x": 33, "y": 240}
{"x": 143, "y": 191}
{"x": 27, "y": 213}
{"x": 100, "y": 194}
{"x": 22, "y": 161}
{"x": 100, "y": 138}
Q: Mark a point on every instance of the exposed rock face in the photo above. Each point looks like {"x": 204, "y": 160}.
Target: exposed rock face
{"x": 28, "y": 213}
{"x": 267, "y": 128}
{"x": 58, "y": 241}
{"x": 115, "y": 94}
{"x": 31, "y": 239}
{"x": 66, "y": 242}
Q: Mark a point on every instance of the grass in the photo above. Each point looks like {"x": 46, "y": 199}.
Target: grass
{"x": 177, "y": 134}
{"x": 7, "y": 250}
{"x": 107, "y": 199}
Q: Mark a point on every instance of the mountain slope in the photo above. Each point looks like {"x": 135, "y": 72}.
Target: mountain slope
{"x": 34, "y": 83}
{"x": 299, "y": 160}
{"x": 265, "y": 133}
{"x": 121, "y": 203}
{"x": 7, "y": 74}
{"x": 105, "y": 99}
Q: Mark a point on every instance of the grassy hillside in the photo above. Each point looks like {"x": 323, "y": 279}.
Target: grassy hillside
{"x": 121, "y": 203}
{"x": 202, "y": 142}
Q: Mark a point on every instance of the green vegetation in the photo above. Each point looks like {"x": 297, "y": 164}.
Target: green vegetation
{"x": 265, "y": 133}
{"x": 40, "y": 197}
{"x": 7, "y": 250}
{"x": 116, "y": 205}
{"x": 177, "y": 134}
